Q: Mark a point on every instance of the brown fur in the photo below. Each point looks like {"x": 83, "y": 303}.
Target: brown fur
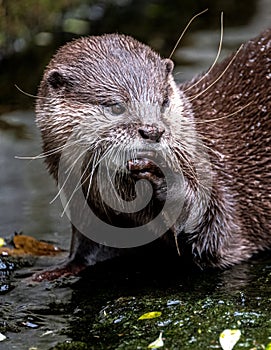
{"x": 243, "y": 170}
{"x": 231, "y": 121}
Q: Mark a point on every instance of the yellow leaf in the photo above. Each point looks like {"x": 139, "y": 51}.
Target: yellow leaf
{"x": 150, "y": 315}
{"x": 2, "y": 242}
{"x": 158, "y": 343}
{"x": 27, "y": 245}
{"x": 268, "y": 346}
{"x": 228, "y": 338}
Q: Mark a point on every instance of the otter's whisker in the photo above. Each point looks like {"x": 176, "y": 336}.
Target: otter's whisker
{"x": 28, "y": 94}
{"x": 77, "y": 186}
{"x": 72, "y": 165}
{"x": 225, "y": 116}
{"x": 185, "y": 159}
{"x": 185, "y": 30}
{"x": 48, "y": 153}
{"x": 219, "y": 77}
{"x": 117, "y": 157}
{"x": 39, "y": 156}
{"x": 216, "y": 58}
{"x": 90, "y": 175}
{"x": 211, "y": 150}
{"x": 68, "y": 172}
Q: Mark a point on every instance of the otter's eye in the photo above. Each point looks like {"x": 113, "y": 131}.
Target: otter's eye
{"x": 165, "y": 104}
{"x": 118, "y": 109}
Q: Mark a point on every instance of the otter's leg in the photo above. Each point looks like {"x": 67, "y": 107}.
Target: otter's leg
{"x": 83, "y": 253}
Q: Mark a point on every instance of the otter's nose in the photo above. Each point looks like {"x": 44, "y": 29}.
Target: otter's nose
{"x": 151, "y": 132}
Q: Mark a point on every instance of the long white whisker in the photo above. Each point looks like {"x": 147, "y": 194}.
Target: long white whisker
{"x": 184, "y": 31}
{"x": 216, "y": 58}
{"x": 79, "y": 183}
{"x": 29, "y": 95}
{"x": 90, "y": 176}
{"x": 77, "y": 186}
{"x": 48, "y": 153}
{"x": 116, "y": 157}
{"x": 68, "y": 171}
{"x": 219, "y": 77}
{"x": 225, "y": 116}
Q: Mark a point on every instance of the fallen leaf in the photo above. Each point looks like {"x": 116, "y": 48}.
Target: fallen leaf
{"x": 150, "y": 315}
{"x": 158, "y": 343}
{"x": 2, "y": 242}
{"x": 27, "y": 245}
{"x": 228, "y": 338}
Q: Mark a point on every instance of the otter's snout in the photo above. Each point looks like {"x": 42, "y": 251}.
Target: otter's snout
{"x": 151, "y": 132}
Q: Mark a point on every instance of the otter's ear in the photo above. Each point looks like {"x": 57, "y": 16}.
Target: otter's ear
{"x": 169, "y": 65}
{"x": 56, "y": 79}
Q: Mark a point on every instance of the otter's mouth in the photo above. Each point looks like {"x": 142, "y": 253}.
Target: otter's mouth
{"x": 144, "y": 168}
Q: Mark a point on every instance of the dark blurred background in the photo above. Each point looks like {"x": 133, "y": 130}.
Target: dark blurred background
{"x": 31, "y": 30}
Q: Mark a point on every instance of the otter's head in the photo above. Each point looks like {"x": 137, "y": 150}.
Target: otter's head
{"x": 110, "y": 90}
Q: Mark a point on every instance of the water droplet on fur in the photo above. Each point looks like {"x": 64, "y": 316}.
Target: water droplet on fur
{"x": 263, "y": 108}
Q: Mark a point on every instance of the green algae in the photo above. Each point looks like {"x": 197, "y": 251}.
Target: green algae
{"x": 194, "y": 311}
{"x": 188, "y": 325}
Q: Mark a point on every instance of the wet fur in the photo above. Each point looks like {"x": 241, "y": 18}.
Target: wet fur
{"x": 243, "y": 169}
{"x": 229, "y": 122}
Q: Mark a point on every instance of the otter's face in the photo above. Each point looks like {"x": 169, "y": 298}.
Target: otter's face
{"x": 110, "y": 90}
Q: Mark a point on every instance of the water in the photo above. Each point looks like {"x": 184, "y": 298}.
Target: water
{"x": 26, "y": 187}
{"x": 102, "y": 309}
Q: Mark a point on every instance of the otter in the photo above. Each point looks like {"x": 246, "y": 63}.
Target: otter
{"x": 116, "y": 99}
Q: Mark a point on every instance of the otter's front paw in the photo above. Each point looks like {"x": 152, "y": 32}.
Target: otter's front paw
{"x": 69, "y": 269}
{"x": 147, "y": 170}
